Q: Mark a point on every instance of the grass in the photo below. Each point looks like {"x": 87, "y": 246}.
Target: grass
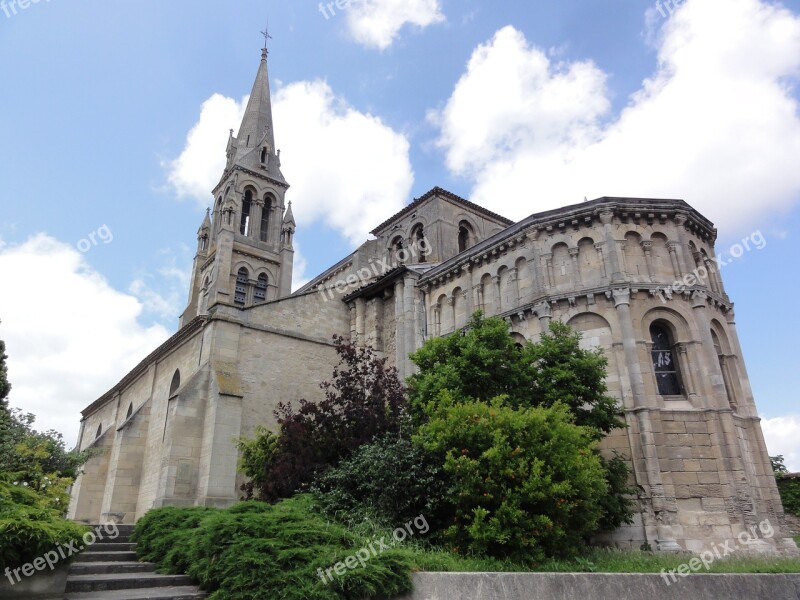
{"x": 426, "y": 557}
{"x": 597, "y": 561}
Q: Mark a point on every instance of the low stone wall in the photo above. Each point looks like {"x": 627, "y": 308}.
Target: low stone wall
{"x": 44, "y": 584}
{"x": 601, "y": 586}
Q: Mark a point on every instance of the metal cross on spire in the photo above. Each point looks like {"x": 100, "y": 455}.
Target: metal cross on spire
{"x": 266, "y": 35}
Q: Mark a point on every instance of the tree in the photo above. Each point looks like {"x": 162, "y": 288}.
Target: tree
{"x": 485, "y": 363}
{"x": 778, "y": 467}
{"x": 363, "y": 399}
{"x": 526, "y": 483}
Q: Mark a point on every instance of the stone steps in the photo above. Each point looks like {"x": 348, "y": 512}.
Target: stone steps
{"x": 109, "y": 571}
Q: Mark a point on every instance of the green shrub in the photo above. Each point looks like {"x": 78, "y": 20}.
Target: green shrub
{"x": 391, "y": 480}
{"x": 256, "y": 551}
{"x": 789, "y": 488}
{"x": 30, "y": 527}
{"x": 527, "y": 483}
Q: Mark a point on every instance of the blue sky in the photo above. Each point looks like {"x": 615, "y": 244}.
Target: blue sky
{"x": 115, "y": 114}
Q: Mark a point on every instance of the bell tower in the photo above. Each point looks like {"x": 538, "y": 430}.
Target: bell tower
{"x": 244, "y": 251}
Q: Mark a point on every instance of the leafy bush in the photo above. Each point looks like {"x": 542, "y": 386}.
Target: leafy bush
{"x": 364, "y": 399}
{"x": 256, "y": 551}
{"x": 30, "y": 527}
{"x": 390, "y": 479}
{"x": 526, "y": 482}
{"x": 789, "y": 488}
{"x": 485, "y": 363}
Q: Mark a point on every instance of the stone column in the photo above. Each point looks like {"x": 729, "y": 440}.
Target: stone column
{"x": 648, "y": 258}
{"x": 477, "y": 292}
{"x": 544, "y": 312}
{"x": 743, "y": 380}
{"x": 410, "y": 321}
{"x": 673, "y": 257}
{"x": 604, "y": 268}
{"x": 606, "y": 218}
{"x": 256, "y": 210}
{"x": 712, "y": 274}
{"x": 685, "y": 367}
{"x": 353, "y": 327}
{"x": 662, "y": 507}
{"x": 548, "y": 277}
{"x": 361, "y": 317}
{"x": 515, "y": 284}
{"x": 498, "y": 304}
{"x": 399, "y": 330}
{"x": 683, "y": 247}
{"x": 471, "y": 308}
{"x": 451, "y": 303}
{"x": 377, "y": 334}
{"x": 535, "y": 265}
{"x": 576, "y": 269}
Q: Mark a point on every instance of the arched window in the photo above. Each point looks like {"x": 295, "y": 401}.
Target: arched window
{"x": 218, "y": 214}
{"x": 665, "y": 361}
{"x": 260, "y": 294}
{"x": 99, "y": 431}
{"x": 130, "y": 411}
{"x": 265, "y": 212}
{"x": 465, "y": 236}
{"x": 399, "y": 250}
{"x": 176, "y": 383}
{"x": 263, "y": 155}
{"x": 420, "y": 244}
{"x": 244, "y": 224}
{"x": 242, "y": 279}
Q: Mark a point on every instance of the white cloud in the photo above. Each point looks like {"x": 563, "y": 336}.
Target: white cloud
{"x": 164, "y": 293}
{"x": 377, "y": 23}
{"x": 198, "y": 169}
{"x": 782, "y": 435}
{"x": 69, "y": 335}
{"x": 348, "y": 169}
{"x": 716, "y": 124}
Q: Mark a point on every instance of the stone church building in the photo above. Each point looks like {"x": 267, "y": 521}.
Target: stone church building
{"x": 607, "y": 267}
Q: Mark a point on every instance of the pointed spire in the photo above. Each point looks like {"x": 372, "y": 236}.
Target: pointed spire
{"x": 207, "y": 221}
{"x": 288, "y": 217}
{"x": 254, "y": 145}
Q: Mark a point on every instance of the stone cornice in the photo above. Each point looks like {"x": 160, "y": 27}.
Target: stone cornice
{"x": 627, "y": 210}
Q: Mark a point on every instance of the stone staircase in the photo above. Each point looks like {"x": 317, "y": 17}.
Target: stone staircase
{"x": 108, "y": 570}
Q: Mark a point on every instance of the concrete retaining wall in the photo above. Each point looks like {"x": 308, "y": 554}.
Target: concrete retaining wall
{"x": 601, "y": 586}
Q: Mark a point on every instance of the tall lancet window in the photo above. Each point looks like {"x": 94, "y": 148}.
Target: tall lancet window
{"x": 665, "y": 361}
{"x": 244, "y": 225}
{"x": 264, "y": 234}
{"x": 242, "y": 279}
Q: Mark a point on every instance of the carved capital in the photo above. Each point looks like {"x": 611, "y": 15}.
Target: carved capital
{"x": 681, "y": 218}
{"x": 542, "y": 310}
{"x": 606, "y": 216}
{"x": 621, "y": 296}
{"x": 647, "y": 246}
{"x": 699, "y": 299}
{"x": 573, "y": 252}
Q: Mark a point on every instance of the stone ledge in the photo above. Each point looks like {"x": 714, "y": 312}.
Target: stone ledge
{"x": 601, "y": 586}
